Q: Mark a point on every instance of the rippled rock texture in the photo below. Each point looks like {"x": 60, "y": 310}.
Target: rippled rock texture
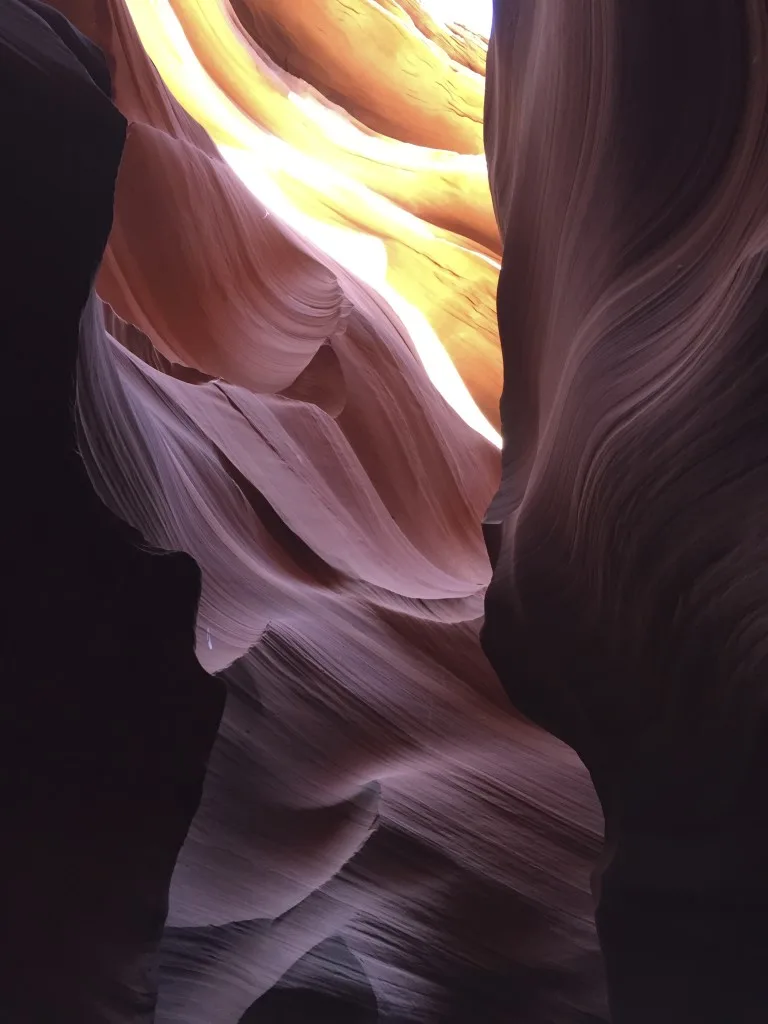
{"x": 108, "y": 718}
{"x": 627, "y": 609}
{"x": 374, "y": 809}
{"x": 288, "y": 368}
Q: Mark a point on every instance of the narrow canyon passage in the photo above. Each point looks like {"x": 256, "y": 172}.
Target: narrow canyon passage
{"x": 284, "y": 742}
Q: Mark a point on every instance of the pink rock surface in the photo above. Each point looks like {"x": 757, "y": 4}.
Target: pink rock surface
{"x": 376, "y": 815}
{"x": 370, "y": 783}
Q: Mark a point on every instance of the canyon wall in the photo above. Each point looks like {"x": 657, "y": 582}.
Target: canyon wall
{"x": 627, "y": 608}
{"x": 256, "y": 388}
{"x": 264, "y": 281}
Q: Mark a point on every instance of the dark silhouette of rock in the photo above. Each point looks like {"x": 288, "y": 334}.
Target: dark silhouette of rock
{"x": 107, "y": 716}
{"x": 628, "y": 151}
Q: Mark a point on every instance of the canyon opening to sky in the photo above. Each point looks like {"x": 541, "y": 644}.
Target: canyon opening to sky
{"x": 385, "y": 576}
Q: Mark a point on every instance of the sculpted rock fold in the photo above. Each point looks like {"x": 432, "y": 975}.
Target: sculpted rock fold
{"x": 108, "y": 717}
{"x": 247, "y": 399}
{"x": 628, "y": 598}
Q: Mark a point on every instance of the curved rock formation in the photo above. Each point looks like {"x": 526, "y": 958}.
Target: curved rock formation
{"x": 284, "y": 371}
{"x": 627, "y": 604}
{"x": 371, "y": 59}
{"x": 303, "y": 256}
{"x": 244, "y": 397}
{"x": 98, "y": 779}
{"x": 415, "y": 223}
{"x": 333, "y": 502}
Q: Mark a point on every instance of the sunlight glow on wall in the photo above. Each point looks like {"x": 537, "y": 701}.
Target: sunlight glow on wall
{"x": 473, "y": 14}
{"x": 267, "y": 166}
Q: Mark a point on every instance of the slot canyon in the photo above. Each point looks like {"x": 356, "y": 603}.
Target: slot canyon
{"x": 385, "y": 434}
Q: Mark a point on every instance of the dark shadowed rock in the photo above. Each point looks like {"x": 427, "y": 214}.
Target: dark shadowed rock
{"x": 107, "y": 716}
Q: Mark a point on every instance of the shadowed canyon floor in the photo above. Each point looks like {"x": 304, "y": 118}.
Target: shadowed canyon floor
{"x": 257, "y": 765}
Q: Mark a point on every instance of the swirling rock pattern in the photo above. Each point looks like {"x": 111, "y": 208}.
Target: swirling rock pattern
{"x": 424, "y": 214}
{"x": 253, "y": 390}
{"x": 108, "y": 717}
{"x": 626, "y": 612}
{"x": 333, "y": 501}
{"x": 244, "y": 398}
